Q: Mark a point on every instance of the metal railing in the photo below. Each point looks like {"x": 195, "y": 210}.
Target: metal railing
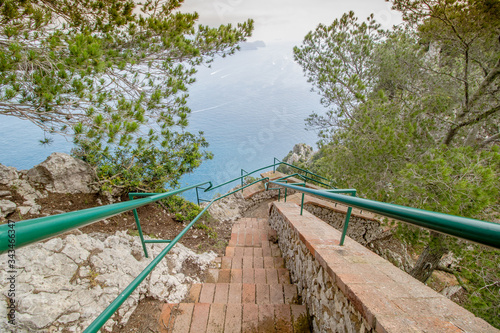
{"x": 478, "y": 231}
{"x": 113, "y": 307}
{"x": 309, "y": 175}
{"x": 34, "y": 230}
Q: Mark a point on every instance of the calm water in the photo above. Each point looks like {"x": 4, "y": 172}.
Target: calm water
{"x": 251, "y": 107}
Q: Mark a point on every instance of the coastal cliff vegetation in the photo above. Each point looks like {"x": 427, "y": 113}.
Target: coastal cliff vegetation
{"x": 413, "y": 118}
{"x": 113, "y": 75}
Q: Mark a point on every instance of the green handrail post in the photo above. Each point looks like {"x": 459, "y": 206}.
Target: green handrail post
{"x": 346, "y": 222}
{"x": 242, "y": 176}
{"x": 302, "y": 204}
{"x": 138, "y": 223}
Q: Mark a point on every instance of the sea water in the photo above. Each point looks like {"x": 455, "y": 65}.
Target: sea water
{"x": 251, "y": 107}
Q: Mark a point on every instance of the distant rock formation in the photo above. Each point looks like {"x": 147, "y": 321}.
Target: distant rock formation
{"x": 301, "y": 156}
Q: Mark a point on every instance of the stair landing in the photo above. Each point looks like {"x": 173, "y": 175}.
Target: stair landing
{"x": 249, "y": 292}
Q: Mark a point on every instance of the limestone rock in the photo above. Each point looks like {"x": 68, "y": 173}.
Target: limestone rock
{"x": 300, "y": 153}
{"x": 64, "y": 283}
{"x": 61, "y": 173}
{"x": 5, "y": 193}
{"x": 7, "y": 207}
{"x": 7, "y": 175}
{"x": 24, "y": 189}
{"x": 23, "y": 210}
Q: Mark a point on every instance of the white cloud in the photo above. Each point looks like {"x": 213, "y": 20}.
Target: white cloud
{"x": 287, "y": 20}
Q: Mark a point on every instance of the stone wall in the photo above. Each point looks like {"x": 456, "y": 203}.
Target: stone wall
{"x": 360, "y": 229}
{"x": 367, "y": 231}
{"x": 351, "y": 289}
{"x": 330, "y": 310}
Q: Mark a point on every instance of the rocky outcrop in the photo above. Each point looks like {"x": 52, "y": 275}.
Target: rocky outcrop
{"x": 7, "y": 175}
{"x": 300, "y": 155}
{"x": 65, "y": 283}
{"x": 61, "y": 173}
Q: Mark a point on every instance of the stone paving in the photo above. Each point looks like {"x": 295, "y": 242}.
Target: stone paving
{"x": 249, "y": 292}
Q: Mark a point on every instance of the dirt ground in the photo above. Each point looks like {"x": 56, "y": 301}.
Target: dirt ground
{"x": 156, "y": 221}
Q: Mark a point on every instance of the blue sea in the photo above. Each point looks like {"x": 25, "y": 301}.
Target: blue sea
{"x": 251, "y": 106}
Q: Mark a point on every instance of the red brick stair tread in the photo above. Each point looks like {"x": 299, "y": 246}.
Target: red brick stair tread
{"x": 249, "y": 292}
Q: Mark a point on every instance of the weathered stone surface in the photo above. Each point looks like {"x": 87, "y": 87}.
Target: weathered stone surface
{"x": 64, "y": 283}
{"x": 301, "y": 152}
{"x": 23, "y": 210}
{"x": 61, "y": 173}
{"x": 7, "y": 207}
{"x": 29, "y": 194}
{"x": 331, "y": 310}
{"x": 7, "y": 174}
{"x": 5, "y": 193}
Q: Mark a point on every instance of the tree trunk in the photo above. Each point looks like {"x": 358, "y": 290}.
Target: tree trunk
{"x": 430, "y": 258}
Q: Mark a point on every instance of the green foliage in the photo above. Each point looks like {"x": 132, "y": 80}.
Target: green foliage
{"x": 420, "y": 124}
{"x": 480, "y": 269}
{"x": 457, "y": 181}
{"x": 114, "y": 74}
{"x": 249, "y": 180}
{"x": 183, "y": 209}
{"x": 211, "y": 233}
{"x": 334, "y": 59}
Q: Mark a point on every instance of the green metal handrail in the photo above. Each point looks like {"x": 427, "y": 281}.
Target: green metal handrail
{"x": 482, "y": 232}
{"x": 34, "y": 230}
{"x": 211, "y": 187}
{"x": 108, "y": 312}
{"x": 301, "y": 169}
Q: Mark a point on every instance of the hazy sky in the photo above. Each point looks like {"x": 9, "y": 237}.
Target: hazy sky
{"x": 287, "y": 20}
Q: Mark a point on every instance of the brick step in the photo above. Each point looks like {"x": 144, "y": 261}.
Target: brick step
{"x": 216, "y": 317}
{"x": 268, "y": 249}
{"x": 251, "y": 262}
{"x": 252, "y": 223}
{"x": 248, "y": 275}
{"x": 251, "y": 237}
{"x": 239, "y": 293}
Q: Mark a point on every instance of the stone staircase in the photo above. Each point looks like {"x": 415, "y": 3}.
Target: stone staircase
{"x": 249, "y": 292}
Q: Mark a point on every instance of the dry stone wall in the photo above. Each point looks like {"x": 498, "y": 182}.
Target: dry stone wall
{"x": 330, "y": 310}
{"x": 351, "y": 289}
{"x": 361, "y": 230}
